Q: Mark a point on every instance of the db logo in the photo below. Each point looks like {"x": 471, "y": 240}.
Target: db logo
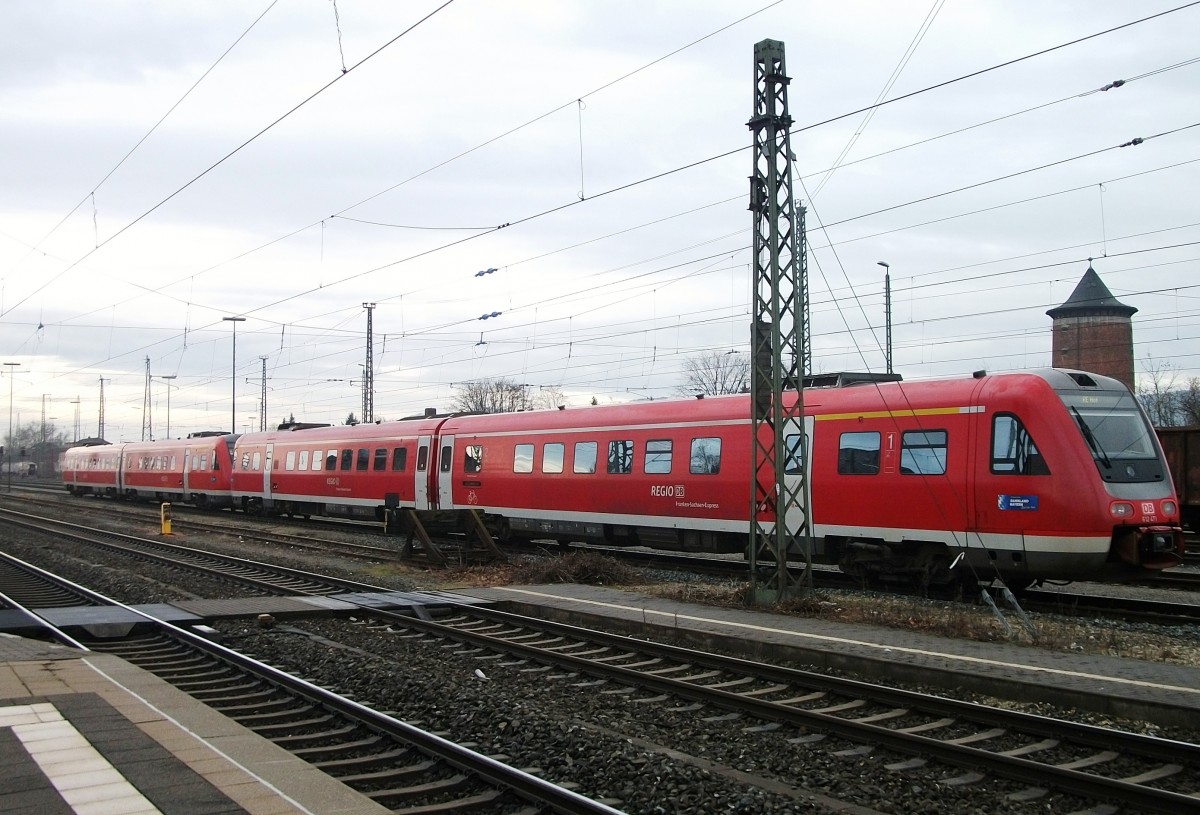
{"x": 472, "y": 498}
{"x": 1147, "y": 507}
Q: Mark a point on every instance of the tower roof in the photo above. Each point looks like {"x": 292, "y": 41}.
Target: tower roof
{"x": 1091, "y": 298}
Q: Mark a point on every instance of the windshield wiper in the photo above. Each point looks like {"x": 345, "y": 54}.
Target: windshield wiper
{"x": 1091, "y": 439}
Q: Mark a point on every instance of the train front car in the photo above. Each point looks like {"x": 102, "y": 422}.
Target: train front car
{"x": 1069, "y": 482}
{"x": 1127, "y": 471}
{"x": 1023, "y": 477}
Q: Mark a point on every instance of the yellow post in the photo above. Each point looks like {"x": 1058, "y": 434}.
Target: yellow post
{"x": 166, "y": 518}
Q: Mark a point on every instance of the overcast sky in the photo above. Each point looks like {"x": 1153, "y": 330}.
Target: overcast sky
{"x": 165, "y": 165}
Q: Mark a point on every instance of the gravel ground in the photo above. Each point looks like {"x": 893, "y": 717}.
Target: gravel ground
{"x": 647, "y": 758}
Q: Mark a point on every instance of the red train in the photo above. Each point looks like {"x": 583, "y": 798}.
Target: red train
{"x": 1049, "y": 474}
{"x": 194, "y": 470}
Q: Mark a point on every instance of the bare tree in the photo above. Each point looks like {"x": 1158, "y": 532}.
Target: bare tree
{"x": 1158, "y": 394}
{"x": 1189, "y": 402}
{"x": 491, "y": 396}
{"x": 715, "y": 372}
{"x": 548, "y": 397}
{"x": 36, "y": 442}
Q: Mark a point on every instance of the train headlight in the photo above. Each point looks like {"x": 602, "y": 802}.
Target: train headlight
{"x": 1121, "y": 509}
{"x": 1168, "y": 507}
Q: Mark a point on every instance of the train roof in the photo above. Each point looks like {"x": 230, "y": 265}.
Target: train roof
{"x": 851, "y": 396}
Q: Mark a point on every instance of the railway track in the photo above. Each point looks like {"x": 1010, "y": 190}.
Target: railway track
{"x": 906, "y": 731}
{"x": 391, "y": 762}
{"x": 243, "y": 527}
{"x": 258, "y": 577}
{"x": 1085, "y": 602}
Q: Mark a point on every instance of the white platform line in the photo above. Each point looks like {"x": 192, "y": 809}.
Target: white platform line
{"x": 84, "y": 778}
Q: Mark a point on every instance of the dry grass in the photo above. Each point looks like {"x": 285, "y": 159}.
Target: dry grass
{"x": 952, "y": 620}
{"x": 577, "y": 567}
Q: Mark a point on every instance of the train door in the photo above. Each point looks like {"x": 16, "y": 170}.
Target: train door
{"x": 187, "y": 473}
{"x": 445, "y": 465}
{"x": 1006, "y": 490}
{"x": 795, "y": 458}
{"x": 421, "y": 473}
{"x": 267, "y": 473}
{"x": 121, "y": 466}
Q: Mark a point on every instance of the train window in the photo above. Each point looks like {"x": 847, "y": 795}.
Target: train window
{"x": 317, "y": 459}
{"x": 289, "y": 463}
{"x": 552, "y": 457}
{"x": 585, "y": 457}
{"x": 445, "y": 461}
{"x": 794, "y": 455}
{"x": 380, "y": 458}
{"x": 620, "y": 457}
{"x": 923, "y": 452}
{"x": 706, "y": 456}
{"x": 399, "y": 459}
{"x": 173, "y": 460}
{"x": 348, "y": 459}
{"x": 1013, "y": 450}
{"x": 363, "y": 461}
{"x": 331, "y": 460}
{"x": 257, "y": 460}
{"x": 658, "y": 456}
{"x": 204, "y": 463}
{"x": 422, "y": 458}
{"x": 472, "y": 458}
{"x": 303, "y": 463}
{"x": 858, "y": 453}
{"x": 523, "y": 458}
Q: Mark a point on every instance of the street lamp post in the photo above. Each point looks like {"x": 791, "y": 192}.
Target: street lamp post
{"x": 76, "y": 431}
{"x": 169, "y": 386}
{"x": 12, "y": 374}
{"x": 887, "y": 310}
{"x": 233, "y": 376}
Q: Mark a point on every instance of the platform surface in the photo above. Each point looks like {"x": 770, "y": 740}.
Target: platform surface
{"x": 83, "y": 733}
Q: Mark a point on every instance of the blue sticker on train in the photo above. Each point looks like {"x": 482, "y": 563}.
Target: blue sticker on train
{"x": 1018, "y": 502}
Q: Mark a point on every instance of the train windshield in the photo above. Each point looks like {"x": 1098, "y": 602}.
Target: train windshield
{"x": 1120, "y": 439}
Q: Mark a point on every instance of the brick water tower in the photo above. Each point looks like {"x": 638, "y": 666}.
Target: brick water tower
{"x": 1093, "y": 331}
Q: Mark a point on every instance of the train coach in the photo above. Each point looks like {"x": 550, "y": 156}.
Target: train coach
{"x": 360, "y": 470}
{"x": 195, "y": 470}
{"x": 1041, "y": 475}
